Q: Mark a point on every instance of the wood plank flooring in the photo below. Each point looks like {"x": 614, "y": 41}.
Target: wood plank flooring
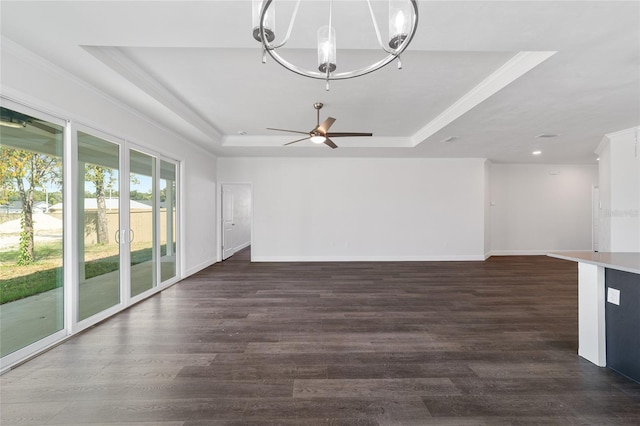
{"x": 387, "y": 343}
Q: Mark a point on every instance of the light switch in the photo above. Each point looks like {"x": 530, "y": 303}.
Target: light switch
{"x": 613, "y": 296}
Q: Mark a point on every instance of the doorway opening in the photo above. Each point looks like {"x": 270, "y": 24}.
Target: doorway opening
{"x": 236, "y": 214}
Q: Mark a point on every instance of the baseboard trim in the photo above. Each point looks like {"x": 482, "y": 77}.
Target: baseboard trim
{"x": 529, "y": 252}
{"x": 199, "y": 267}
{"x": 456, "y": 258}
{"x": 242, "y": 246}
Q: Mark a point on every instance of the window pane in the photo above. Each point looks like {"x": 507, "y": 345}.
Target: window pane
{"x": 142, "y": 222}
{"x": 99, "y": 219}
{"x": 31, "y": 268}
{"x": 167, "y": 220}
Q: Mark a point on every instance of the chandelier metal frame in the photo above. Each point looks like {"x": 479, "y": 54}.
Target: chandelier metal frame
{"x": 266, "y": 37}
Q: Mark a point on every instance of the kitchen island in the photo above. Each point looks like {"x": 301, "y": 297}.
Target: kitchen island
{"x": 608, "y": 309}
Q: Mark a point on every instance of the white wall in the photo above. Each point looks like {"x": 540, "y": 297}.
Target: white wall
{"x": 620, "y": 191}
{"x": 541, "y": 208}
{"x": 198, "y": 211}
{"x": 356, "y": 208}
{"x": 29, "y": 79}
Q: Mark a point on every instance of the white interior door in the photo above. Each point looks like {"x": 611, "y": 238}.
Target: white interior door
{"x": 227, "y": 223}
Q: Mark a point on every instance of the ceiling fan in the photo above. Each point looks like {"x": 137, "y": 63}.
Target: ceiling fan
{"x": 320, "y": 133}
{"x": 10, "y": 118}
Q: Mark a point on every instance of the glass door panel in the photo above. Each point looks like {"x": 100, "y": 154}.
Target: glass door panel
{"x": 31, "y": 230}
{"x": 99, "y": 224}
{"x": 142, "y": 222}
{"x": 167, "y": 220}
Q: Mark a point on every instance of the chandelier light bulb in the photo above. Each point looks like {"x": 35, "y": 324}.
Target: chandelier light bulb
{"x": 325, "y": 52}
{"x": 326, "y": 49}
{"x": 399, "y": 22}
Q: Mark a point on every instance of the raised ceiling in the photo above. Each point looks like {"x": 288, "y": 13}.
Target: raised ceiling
{"x": 489, "y": 75}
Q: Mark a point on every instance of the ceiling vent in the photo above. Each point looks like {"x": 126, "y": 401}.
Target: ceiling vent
{"x": 450, "y": 139}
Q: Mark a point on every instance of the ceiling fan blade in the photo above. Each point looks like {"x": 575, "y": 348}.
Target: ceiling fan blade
{"x": 330, "y": 143}
{"x": 343, "y": 134}
{"x": 290, "y": 131}
{"x": 324, "y": 127}
{"x": 299, "y": 140}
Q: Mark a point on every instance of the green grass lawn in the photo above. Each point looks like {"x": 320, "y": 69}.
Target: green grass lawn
{"x": 29, "y": 285}
{"x": 46, "y": 273}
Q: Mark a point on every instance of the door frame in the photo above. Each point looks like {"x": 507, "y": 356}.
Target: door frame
{"x": 227, "y": 229}
{"x": 77, "y": 324}
{"x": 220, "y": 222}
{"x": 68, "y": 233}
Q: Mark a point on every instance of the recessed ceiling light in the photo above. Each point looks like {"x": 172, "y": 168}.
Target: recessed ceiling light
{"x": 598, "y": 159}
{"x": 537, "y": 152}
{"x": 242, "y": 132}
{"x": 546, "y": 135}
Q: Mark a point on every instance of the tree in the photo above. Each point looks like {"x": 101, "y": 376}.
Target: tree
{"x": 28, "y": 170}
{"x": 101, "y": 179}
{"x": 140, "y": 196}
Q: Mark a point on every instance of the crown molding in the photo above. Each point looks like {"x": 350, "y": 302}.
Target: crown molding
{"x": 510, "y": 71}
{"x": 38, "y": 62}
{"x": 629, "y": 131}
{"x": 117, "y": 60}
{"x": 609, "y": 137}
{"x": 279, "y": 141}
{"x": 602, "y": 145}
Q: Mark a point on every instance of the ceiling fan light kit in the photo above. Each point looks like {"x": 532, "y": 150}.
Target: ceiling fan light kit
{"x": 318, "y": 139}
{"x": 403, "y": 22}
{"x": 9, "y": 122}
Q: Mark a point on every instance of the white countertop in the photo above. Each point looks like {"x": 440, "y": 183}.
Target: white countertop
{"x": 628, "y": 262}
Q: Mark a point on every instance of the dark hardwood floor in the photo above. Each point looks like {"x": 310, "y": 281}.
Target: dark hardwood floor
{"x": 387, "y": 343}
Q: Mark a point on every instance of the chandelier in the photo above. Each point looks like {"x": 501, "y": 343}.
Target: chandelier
{"x": 403, "y": 22}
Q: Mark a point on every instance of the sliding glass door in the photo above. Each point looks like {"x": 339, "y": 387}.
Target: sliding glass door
{"x": 98, "y": 225}
{"x": 142, "y": 222}
{"x": 119, "y": 212}
{"x": 31, "y": 229}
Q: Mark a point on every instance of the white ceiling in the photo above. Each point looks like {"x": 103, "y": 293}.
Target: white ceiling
{"x": 493, "y": 74}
